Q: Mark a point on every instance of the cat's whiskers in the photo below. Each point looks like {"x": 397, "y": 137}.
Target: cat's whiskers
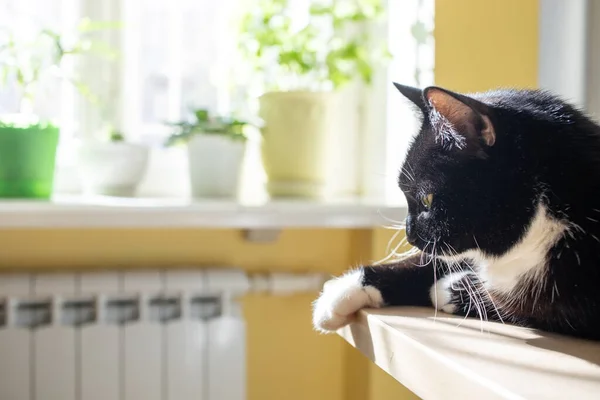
{"x": 407, "y": 175}
{"x": 476, "y": 291}
{"x": 476, "y": 243}
{"x": 410, "y": 175}
{"x": 569, "y": 323}
{"x": 478, "y": 299}
{"x": 539, "y": 288}
{"x": 468, "y": 288}
{"x": 388, "y": 248}
{"x": 435, "y": 305}
{"x": 402, "y": 255}
{"x": 482, "y": 284}
{"x": 424, "y": 253}
{"x": 393, "y": 253}
{"x": 474, "y": 295}
{"x": 394, "y": 222}
{"x": 554, "y": 289}
{"x": 573, "y": 228}
{"x": 411, "y": 168}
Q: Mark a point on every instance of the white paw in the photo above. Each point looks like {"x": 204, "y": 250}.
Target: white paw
{"x": 441, "y": 292}
{"x": 341, "y": 298}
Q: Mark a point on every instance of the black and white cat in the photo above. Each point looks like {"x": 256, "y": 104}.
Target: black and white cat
{"x": 503, "y": 192}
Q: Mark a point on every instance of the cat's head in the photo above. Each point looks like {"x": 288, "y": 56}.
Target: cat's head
{"x": 466, "y": 181}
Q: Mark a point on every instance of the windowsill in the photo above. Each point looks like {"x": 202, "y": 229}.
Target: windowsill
{"x": 80, "y": 212}
{"x": 448, "y": 358}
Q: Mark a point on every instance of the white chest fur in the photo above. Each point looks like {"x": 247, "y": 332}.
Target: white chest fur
{"x": 526, "y": 258}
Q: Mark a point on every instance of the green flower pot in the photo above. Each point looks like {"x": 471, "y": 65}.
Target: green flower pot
{"x": 27, "y": 156}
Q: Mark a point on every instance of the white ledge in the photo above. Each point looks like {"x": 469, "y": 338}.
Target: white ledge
{"x": 77, "y": 212}
{"x": 446, "y": 357}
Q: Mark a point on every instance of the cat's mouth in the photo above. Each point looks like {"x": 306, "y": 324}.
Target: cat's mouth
{"x": 439, "y": 250}
{"x": 429, "y": 247}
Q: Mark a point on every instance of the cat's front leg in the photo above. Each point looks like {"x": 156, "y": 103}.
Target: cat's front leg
{"x": 342, "y": 297}
{"x": 406, "y": 283}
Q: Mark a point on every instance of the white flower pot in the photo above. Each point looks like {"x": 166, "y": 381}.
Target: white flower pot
{"x": 215, "y": 165}
{"x": 295, "y": 136}
{"x": 111, "y": 168}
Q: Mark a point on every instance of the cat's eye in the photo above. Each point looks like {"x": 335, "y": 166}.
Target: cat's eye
{"x": 427, "y": 200}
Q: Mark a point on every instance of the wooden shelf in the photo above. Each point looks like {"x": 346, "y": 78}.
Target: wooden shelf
{"x": 446, "y": 357}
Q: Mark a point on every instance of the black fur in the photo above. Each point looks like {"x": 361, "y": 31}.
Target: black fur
{"x": 486, "y": 190}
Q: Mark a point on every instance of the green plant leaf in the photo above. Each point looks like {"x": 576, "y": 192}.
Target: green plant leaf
{"x": 202, "y": 115}
{"x": 28, "y": 63}
{"x": 116, "y": 136}
{"x": 320, "y": 10}
{"x": 333, "y": 49}
{"x": 205, "y": 124}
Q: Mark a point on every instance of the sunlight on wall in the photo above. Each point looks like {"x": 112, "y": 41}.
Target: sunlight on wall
{"x": 482, "y": 45}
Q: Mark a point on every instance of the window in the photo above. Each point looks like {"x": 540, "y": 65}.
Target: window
{"x": 410, "y": 39}
{"x": 21, "y": 20}
{"x": 173, "y": 55}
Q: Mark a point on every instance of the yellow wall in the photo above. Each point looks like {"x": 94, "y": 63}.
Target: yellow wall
{"x": 286, "y": 358}
{"x": 484, "y": 44}
{"x": 295, "y": 250}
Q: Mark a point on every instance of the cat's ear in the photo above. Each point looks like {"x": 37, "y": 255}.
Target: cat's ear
{"x": 469, "y": 117}
{"x": 413, "y": 94}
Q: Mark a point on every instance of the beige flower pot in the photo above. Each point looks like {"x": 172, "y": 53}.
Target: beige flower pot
{"x": 294, "y": 147}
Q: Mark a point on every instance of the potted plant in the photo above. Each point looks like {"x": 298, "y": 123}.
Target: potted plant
{"x": 303, "y": 64}
{"x": 28, "y": 142}
{"x": 216, "y": 149}
{"x": 112, "y": 167}
{"x": 27, "y": 157}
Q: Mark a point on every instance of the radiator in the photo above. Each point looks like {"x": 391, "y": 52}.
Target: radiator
{"x": 149, "y": 335}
